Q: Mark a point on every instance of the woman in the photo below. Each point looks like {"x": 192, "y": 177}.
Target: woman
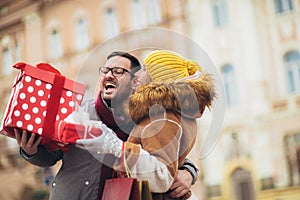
{"x": 165, "y": 112}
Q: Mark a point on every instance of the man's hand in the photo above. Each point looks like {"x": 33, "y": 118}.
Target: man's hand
{"x": 182, "y": 183}
{"x": 27, "y": 141}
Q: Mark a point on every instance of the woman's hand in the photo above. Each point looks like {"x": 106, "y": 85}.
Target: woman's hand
{"x": 106, "y": 143}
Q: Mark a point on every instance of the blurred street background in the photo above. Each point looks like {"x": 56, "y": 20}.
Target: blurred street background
{"x": 254, "y": 45}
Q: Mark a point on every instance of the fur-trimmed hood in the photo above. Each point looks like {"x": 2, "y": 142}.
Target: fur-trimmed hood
{"x": 186, "y": 97}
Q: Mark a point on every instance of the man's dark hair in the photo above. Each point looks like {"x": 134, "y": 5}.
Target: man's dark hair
{"x": 135, "y": 64}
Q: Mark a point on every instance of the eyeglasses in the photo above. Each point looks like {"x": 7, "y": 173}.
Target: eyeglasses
{"x": 116, "y": 71}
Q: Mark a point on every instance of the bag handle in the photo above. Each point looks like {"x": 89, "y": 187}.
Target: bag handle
{"x": 123, "y": 166}
{"x": 123, "y": 160}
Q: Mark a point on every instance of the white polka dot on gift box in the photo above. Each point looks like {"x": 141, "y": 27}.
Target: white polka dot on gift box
{"x": 31, "y": 104}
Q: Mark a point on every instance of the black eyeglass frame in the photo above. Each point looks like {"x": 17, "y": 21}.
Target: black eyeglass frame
{"x": 114, "y": 71}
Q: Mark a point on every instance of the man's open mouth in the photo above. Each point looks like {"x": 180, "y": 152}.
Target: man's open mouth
{"x": 109, "y": 86}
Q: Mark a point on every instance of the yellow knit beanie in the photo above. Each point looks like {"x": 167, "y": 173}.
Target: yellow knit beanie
{"x": 165, "y": 65}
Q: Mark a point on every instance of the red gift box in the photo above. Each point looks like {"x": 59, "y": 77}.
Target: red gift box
{"x": 70, "y": 132}
{"x": 40, "y": 97}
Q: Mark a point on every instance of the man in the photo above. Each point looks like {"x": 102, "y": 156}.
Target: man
{"x": 165, "y": 109}
{"x": 82, "y": 175}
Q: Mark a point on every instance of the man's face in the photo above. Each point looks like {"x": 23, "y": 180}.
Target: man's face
{"x": 141, "y": 77}
{"x": 116, "y": 88}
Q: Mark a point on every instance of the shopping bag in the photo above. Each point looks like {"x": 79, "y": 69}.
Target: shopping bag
{"x": 121, "y": 189}
{"x": 144, "y": 190}
{"x": 126, "y": 188}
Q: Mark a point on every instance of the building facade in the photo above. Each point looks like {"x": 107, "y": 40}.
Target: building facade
{"x": 254, "y": 44}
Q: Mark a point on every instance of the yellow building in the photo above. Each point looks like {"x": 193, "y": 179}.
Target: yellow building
{"x": 255, "y": 45}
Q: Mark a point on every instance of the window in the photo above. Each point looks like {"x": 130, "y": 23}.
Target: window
{"x": 236, "y": 149}
{"x": 18, "y": 52}
{"x": 242, "y": 185}
{"x": 56, "y": 49}
{"x": 292, "y": 149}
{"x": 139, "y": 17}
{"x": 4, "y": 10}
{"x": 154, "y": 11}
{"x": 283, "y": 5}
{"x": 220, "y": 12}
{"x": 11, "y": 51}
{"x": 112, "y": 27}
{"x": 7, "y": 61}
{"x": 267, "y": 183}
{"x": 82, "y": 35}
{"x": 214, "y": 191}
{"x": 292, "y": 64}
{"x": 18, "y": 46}
{"x": 230, "y": 85}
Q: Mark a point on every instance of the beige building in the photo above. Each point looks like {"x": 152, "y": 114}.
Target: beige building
{"x": 256, "y": 47}
{"x": 254, "y": 44}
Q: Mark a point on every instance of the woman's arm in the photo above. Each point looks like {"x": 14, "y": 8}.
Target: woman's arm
{"x": 156, "y": 158}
